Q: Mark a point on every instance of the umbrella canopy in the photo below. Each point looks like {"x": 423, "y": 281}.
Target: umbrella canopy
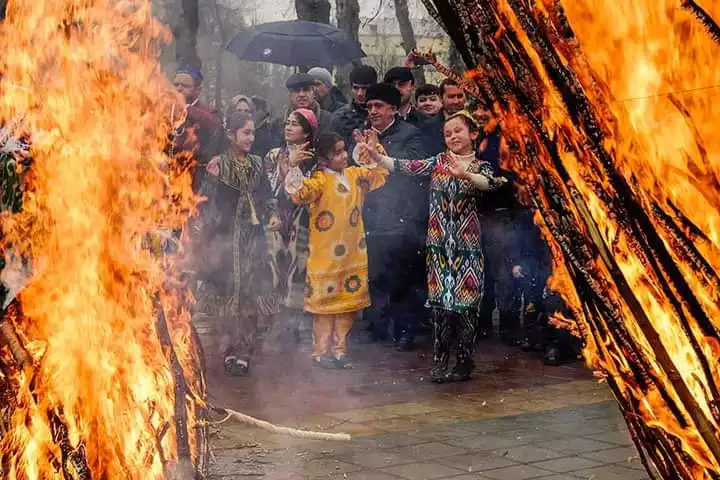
{"x": 295, "y": 43}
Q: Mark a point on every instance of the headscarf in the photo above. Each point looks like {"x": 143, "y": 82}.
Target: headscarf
{"x": 310, "y": 116}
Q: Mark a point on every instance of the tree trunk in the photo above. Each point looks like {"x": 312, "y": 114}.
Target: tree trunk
{"x": 222, "y": 31}
{"x": 348, "y": 20}
{"x": 408, "y": 35}
{"x": 313, "y": 10}
{"x": 185, "y": 32}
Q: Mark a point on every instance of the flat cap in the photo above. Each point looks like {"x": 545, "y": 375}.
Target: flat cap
{"x": 299, "y": 80}
{"x": 399, "y": 74}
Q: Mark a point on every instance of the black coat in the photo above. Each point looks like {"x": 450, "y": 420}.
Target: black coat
{"x": 348, "y": 118}
{"x": 434, "y": 136}
{"x": 401, "y": 206}
{"x": 268, "y": 135}
{"x": 334, "y": 100}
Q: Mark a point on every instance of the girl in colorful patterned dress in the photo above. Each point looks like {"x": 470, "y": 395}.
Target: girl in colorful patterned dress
{"x": 454, "y": 255}
{"x": 337, "y": 268}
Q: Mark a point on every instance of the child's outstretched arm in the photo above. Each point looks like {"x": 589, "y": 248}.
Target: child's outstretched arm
{"x": 369, "y": 150}
{"x": 375, "y": 177}
{"x": 304, "y": 190}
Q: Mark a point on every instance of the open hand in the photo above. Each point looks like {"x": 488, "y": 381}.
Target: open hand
{"x": 300, "y": 155}
{"x": 457, "y": 169}
{"x": 213, "y": 167}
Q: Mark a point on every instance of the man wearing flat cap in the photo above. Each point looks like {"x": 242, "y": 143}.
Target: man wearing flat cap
{"x": 328, "y": 95}
{"x": 396, "y": 221}
{"x": 202, "y": 132}
{"x": 301, "y": 91}
{"x": 403, "y": 79}
{"x": 353, "y": 116}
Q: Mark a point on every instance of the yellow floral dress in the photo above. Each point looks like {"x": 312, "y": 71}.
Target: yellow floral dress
{"x": 337, "y": 267}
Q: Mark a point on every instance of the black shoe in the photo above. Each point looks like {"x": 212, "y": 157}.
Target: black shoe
{"x": 342, "y": 362}
{"x": 324, "y": 362}
{"x": 236, "y": 367}
{"x": 440, "y": 375}
{"x": 405, "y": 343}
{"x": 462, "y": 372}
{"x": 552, "y": 357}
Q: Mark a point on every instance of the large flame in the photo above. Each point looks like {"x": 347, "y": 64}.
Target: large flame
{"x": 81, "y": 78}
{"x": 655, "y": 84}
{"x": 610, "y": 112}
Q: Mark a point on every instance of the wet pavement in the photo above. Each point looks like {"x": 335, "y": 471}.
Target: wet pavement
{"x": 516, "y": 419}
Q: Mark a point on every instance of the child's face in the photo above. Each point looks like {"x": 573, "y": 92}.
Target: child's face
{"x": 338, "y": 158}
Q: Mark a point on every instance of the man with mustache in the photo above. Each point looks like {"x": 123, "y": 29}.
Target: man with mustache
{"x": 396, "y": 219}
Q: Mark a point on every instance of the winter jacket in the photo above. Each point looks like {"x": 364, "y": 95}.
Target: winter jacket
{"x": 348, "y": 118}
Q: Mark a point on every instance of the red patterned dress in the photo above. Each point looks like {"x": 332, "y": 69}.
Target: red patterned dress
{"x": 455, "y": 264}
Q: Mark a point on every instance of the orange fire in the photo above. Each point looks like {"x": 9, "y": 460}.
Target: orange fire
{"x": 82, "y": 79}
{"x": 655, "y": 83}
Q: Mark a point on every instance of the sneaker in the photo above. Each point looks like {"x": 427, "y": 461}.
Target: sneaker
{"x": 342, "y": 362}
{"x": 323, "y": 362}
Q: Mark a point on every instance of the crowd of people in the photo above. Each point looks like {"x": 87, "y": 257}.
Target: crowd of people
{"x": 376, "y": 219}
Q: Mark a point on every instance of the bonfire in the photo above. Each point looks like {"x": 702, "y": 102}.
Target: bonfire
{"x": 100, "y": 375}
{"x": 610, "y": 112}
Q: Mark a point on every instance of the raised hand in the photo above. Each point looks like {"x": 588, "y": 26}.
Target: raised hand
{"x": 300, "y": 154}
{"x": 457, "y": 169}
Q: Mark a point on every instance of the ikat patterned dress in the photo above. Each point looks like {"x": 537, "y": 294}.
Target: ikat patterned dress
{"x": 455, "y": 263}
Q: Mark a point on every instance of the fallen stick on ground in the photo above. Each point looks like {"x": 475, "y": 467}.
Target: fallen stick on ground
{"x": 293, "y": 432}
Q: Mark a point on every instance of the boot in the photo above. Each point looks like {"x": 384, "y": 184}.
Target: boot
{"x": 324, "y": 362}
{"x": 440, "y": 375}
{"x": 341, "y": 362}
{"x": 236, "y": 366}
{"x": 462, "y": 371}
{"x": 553, "y": 357}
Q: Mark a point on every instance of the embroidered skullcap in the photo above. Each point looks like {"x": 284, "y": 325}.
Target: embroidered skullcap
{"x": 194, "y": 72}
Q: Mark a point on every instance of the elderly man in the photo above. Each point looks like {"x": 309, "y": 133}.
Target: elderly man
{"x": 353, "y": 116}
{"x": 202, "y": 132}
{"x": 396, "y": 221}
{"x": 403, "y": 79}
{"x": 328, "y": 95}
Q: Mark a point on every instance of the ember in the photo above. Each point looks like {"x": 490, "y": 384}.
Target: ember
{"x": 607, "y": 111}
{"x": 99, "y": 375}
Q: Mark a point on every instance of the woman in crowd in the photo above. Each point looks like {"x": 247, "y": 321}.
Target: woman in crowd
{"x": 240, "y": 104}
{"x": 454, "y": 255}
{"x": 288, "y": 242}
{"x": 240, "y": 208}
{"x": 337, "y": 268}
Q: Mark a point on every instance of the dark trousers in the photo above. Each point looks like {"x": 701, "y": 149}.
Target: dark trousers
{"x": 448, "y": 326}
{"x": 498, "y": 229}
{"x": 398, "y": 285}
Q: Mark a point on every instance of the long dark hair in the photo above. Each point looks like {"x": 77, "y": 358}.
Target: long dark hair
{"x": 325, "y": 144}
{"x": 306, "y": 127}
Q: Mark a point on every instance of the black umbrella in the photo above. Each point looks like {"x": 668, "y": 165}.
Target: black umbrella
{"x": 295, "y": 43}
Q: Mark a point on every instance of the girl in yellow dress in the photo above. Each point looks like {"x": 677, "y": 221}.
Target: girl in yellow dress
{"x": 337, "y": 268}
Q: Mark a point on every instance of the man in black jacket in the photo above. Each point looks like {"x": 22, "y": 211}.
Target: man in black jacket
{"x": 404, "y": 81}
{"x": 301, "y": 92}
{"x": 396, "y": 222}
{"x": 353, "y": 116}
{"x": 453, "y": 100}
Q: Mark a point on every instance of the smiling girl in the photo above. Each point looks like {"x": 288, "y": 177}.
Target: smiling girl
{"x": 337, "y": 268}
{"x": 454, "y": 255}
{"x": 240, "y": 209}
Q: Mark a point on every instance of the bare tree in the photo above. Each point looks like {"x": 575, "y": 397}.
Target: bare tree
{"x": 313, "y": 10}
{"x": 185, "y": 32}
{"x": 402, "y": 13}
{"x": 348, "y": 20}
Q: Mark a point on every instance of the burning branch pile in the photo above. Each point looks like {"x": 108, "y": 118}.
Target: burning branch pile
{"x": 100, "y": 374}
{"x": 610, "y": 111}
